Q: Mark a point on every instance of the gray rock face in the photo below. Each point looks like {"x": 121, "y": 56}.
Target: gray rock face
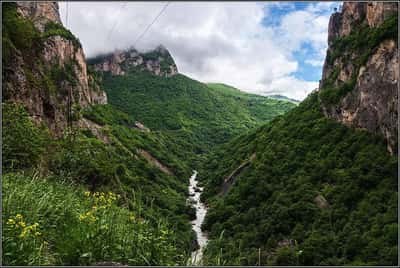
{"x": 30, "y": 79}
{"x": 159, "y": 62}
{"x": 372, "y": 103}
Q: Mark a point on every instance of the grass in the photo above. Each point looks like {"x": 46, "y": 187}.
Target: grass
{"x": 50, "y": 222}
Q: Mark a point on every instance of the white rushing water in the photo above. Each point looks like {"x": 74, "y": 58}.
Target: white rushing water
{"x": 201, "y": 210}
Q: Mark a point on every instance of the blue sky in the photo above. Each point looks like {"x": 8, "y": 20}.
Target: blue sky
{"x": 276, "y": 11}
{"x": 258, "y": 47}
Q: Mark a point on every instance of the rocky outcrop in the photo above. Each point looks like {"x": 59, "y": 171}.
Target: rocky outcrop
{"x": 154, "y": 161}
{"x": 39, "y": 13}
{"x": 364, "y": 72}
{"x": 230, "y": 180}
{"x": 158, "y": 61}
{"x": 50, "y": 77}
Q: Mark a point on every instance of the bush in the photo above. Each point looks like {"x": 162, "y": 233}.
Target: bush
{"x": 23, "y": 142}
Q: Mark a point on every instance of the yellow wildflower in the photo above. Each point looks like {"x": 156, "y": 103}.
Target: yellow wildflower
{"x": 10, "y": 221}
{"x": 87, "y": 193}
{"x": 18, "y": 216}
{"x": 23, "y": 233}
{"x": 82, "y": 217}
{"x": 22, "y": 224}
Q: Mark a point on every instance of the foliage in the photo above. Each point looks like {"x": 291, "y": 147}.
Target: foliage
{"x": 19, "y": 32}
{"x": 299, "y": 156}
{"x": 193, "y": 115}
{"x": 47, "y": 222}
{"x": 57, "y": 29}
{"x": 364, "y": 41}
{"x": 23, "y": 142}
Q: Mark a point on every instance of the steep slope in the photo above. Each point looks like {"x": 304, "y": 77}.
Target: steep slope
{"x": 44, "y": 65}
{"x": 196, "y": 116}
{"x": 363, "y": 56}
{"x": 306, "y": 189}
{"x": 80, "y": 147}
{"x": 262, "y": 108}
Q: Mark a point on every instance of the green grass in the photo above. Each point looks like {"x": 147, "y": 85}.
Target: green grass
{"x": 75, "y": 227}
{"x": 80, "y": 159}
{"x": 299, "y": 156}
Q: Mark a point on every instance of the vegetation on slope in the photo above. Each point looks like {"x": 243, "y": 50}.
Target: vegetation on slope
{"x": 50, "y": 222}
{"x": 275, "y": 212}
{"x": 364, "y": 40}
{"x": 85, "y": 163}
{"x": 193, "y": 115}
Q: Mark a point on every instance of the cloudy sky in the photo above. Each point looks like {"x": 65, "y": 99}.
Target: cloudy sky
{"x": 264, "y": 48}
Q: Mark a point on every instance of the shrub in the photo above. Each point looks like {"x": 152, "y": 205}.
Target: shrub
{"x": 23, "y": 142}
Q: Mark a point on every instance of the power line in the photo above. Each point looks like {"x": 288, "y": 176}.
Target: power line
{"x": 116, "y": 21}
{"x": 148, "y": 27}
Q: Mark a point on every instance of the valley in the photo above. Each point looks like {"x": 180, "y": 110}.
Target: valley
{"x": 120, "y": 159}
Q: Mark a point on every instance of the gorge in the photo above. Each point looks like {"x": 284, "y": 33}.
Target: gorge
{"x": 121, "y": 159}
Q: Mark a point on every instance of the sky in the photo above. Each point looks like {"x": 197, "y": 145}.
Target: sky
{"x": 259, "y": 47}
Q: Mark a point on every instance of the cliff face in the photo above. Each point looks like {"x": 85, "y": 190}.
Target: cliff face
{"x": 361, "y": 70}
{"x": 44, "y": 65}
{"x": 158, "y": 61}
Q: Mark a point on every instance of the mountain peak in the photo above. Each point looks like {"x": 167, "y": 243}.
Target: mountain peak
{"x": 360, "y": 73}
{"x": 158, "y": 61}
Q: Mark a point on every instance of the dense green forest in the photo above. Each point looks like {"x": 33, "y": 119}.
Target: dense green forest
{"x": 311, "y": 196}
{"x": 193, "y": 114}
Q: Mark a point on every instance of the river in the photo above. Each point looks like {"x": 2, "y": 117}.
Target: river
{"x": 201, "y": 210}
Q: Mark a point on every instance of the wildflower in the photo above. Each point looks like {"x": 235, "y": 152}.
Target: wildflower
{"x": 10, "y": 222}
{"x": 87, "y": 193}
{"x": 18, "y": 216}
{"x": 38, "y": 233}
{"x": 22, "y": 224}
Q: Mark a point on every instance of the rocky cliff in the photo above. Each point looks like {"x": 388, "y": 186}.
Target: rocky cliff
{"x": 158, "y": 61}
{"x": 361, "y": 71}
{"x": 44, "y": 65}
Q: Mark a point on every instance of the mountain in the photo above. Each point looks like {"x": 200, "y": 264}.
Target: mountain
{"x": 44, "y": 66}
{"x": 78, "y": 174}
{"x": 317, "y": 185}
{"x": 158, "y": 61}
{"x": 83, "y": 166}
{"x": 363, "y": 56}
{"x": 195, "y": 115}
{"x": 281, "y": 97}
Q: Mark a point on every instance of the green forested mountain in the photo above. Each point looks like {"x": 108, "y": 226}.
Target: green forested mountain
{"x": 82, "y": 184}
{"x": 197, "y": 116}
{"x": 310, "y": 196}
{"x": 318, "y": 185}
{"x": 97, "y": 157}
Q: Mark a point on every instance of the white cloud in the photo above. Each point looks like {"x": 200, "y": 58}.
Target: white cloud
{"x": 315, "y": 62}
{"x": 211, "y": 41}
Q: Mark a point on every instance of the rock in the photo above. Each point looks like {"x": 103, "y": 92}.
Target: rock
{"x": 39, "y": 12}
{"x": 141, "y": 127}
{"x": 158, "y": 61}
{"x": 52, "y": 76}
{"x": 372, "y": 103}
{"x": 321, "y": 202}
